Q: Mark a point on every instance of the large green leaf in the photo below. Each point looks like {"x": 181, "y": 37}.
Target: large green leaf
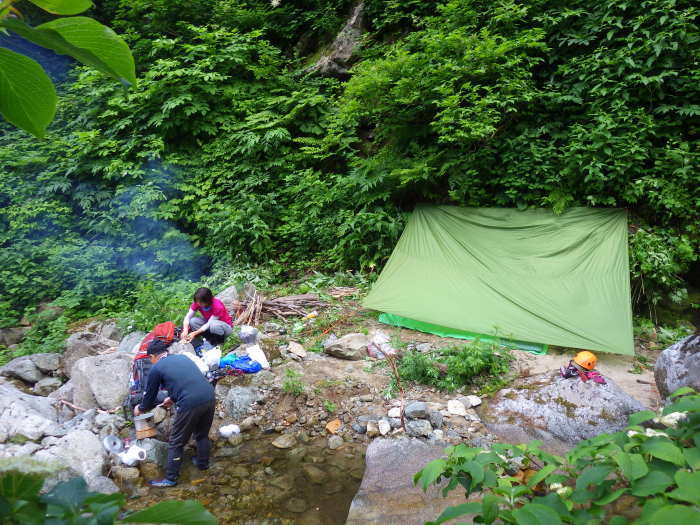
{"x": 20, "y": 485}
{"x": 662, "y": 448}
{"x": 675, "y": 514}
{"x": 593, "y": 475}
{"x": 173, "y": 512}
{"x": 63, "y": 7}
{"x": 640, "y": 417}
{"x": 536, "y": 514}
{"x": 692, "y": 456}
{"x": 27, "y": 95}
{"x": 633, "y": 466}
{"x": 454, "y": 512}
{"x": 688, "y": 487}
{"x": 652, "y": 483}
{"x": 85, "y": 40}
{"x": 430, "y": 473}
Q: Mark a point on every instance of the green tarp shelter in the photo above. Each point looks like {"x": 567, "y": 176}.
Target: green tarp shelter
{"x": 528, "y": 275}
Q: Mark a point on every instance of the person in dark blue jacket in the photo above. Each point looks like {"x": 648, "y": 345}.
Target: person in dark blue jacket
{"x": 193, "y": 397}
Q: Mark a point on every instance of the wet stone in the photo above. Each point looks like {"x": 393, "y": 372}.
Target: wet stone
{"x": 314, "y": 474}
{"x": 284, "y": 441}
{"x": 296, "y": 505}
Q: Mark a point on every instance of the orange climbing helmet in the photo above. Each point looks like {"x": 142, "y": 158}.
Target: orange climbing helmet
{"x": 586, "y": 360}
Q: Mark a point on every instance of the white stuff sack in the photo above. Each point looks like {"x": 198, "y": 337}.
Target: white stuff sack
{"x": 212, "y": 358}
{"x": 199, "y": 362}
{"x": 248, "y": 334}
{"x": 256, "y": 354}
{"x": 229, "y": 430}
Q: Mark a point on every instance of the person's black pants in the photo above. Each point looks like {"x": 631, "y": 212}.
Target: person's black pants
{"x": 193, "y": 422}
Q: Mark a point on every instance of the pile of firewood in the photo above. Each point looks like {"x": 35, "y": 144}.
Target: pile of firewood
{"x": 281, "y": 307}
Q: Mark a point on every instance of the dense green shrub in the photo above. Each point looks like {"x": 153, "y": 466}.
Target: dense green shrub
{"x": 477, "y": 363}
{"x": 654, "y": 473}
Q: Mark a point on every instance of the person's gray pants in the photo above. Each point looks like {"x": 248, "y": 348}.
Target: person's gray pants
{"x": 218, "y": 329}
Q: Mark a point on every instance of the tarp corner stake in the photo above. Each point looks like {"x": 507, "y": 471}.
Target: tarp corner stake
{"x": 529, "y": 276}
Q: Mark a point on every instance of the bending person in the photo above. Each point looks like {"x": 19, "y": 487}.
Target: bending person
{"x": 194, "y": 402}
{"x": 215, "y": 323}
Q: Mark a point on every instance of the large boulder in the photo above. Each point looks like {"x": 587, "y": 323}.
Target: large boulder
{"x": 47, "y": 385}
{"x": 47, "y": 362}
{"x": 26, "y": 417}
{"x": 22, "y": 368}
{"x": 387, "y": 493}
{"x": 81, "y": 452}
{"x": 130, "y": 342}
{"x": 351, "y": 346}
{"x": 13, "y": 335}
{"x": 101, "y": 381}
{"x": 239, "y": 401}
{"x": 229, "y": 296}
{"x": 561, "y": 412}
{"x": 83, "y": 344}
{"x": 679, "y": 366}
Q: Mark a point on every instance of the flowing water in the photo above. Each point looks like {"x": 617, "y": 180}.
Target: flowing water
{"x": 256, "y": 483}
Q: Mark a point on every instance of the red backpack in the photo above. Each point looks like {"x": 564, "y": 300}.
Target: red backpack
{"x": 166, "y": 332}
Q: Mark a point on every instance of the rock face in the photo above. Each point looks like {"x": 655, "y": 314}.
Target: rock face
{"x": 239, "y": 400}
{"x": 22, "y": 368}
{"x": 679, "y": 366}
{"x": 228, "y": 296}
{"x": 47, "y": 385}
{"x": 101, "y": 381}
{"x": 13, "y": 335}
{"x": 130, "y": 342}
{"x": 337, "y": 61}
{"x": 47, "y": 363}
{"x": 25, "y": 416}
{"x": 559, "y": 411}
{"x": 387, "y": 494}
{"x": 351, "y": 346}
{"x": 83, "y": 344}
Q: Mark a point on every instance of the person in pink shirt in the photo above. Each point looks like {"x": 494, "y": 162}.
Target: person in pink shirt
{"x": 215, "y": 323}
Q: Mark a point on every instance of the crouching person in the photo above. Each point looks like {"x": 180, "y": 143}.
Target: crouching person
{"x": 194, "y": 402}
{"x": 215, "y": 325}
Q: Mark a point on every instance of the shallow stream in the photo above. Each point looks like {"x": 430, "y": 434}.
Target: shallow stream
{"x": 257, "y": 483}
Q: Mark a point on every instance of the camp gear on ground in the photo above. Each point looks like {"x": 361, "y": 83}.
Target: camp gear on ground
{"x": 248, "y": 335}
{"x": 144, "y": 426}
{"x": 162, "y": 483}
{"x": 525, "y": 275}
{"x": 212, "y": 357}
{"x": 256, "y": 354}
{"x": 214, "y": 375}
{"x": 113, "y": 444}
{"x": 574, "y": 370}
{"x": 586, "y": 360}
{"x": 244, "y": 363}
{"x": 201, "y": 365}
{"x": 227, "y": 431}
{"x": 166, "y": 332}
{"x": 132, "y": 455}
{"x": 138, "y": 381}
{"x": 157, "y": 346}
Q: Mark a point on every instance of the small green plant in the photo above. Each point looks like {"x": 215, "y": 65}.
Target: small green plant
{"x": 657, "y": 472}
{"x": 292, "y": 383}
{"x": 71, "y": 502}
{"x": 481, "y": 364}
{"x": 641, "y": 363}
{"x": 329, "y": 406}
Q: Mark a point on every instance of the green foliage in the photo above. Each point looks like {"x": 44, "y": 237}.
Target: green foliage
{"x": 293, "y": 383}
{"x": 71, "y": 502}
{"x": 151, "y": 303}
{"x": 657, "y": 472}
{"x": 477, "y": 363}
{"x": 329, "y": 406}
{"x": 27, "y": 95}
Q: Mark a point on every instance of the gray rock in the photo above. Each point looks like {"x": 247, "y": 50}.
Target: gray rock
{"x": 13, "y": 335}
{"x": 416, "y": 410}
{"x": 314, "y": 474}
{"x": 26, "y": 416}
{"x": 79, "y": 450}
{"x": 419, "y": 427}
{"x": 109, "y": 330}
{"x": 424, "y": 347}
{"x": 351, "y": 346}
{"x": 239, "y": 401}
{"x": 384, "y": 427}
{"x": 156, "y": 451}
{"x": 131, "y": 342}
{"x": 102, "y": 419}
{"x": 101, "y": 381}
{"x": 284, "y": 441}
{"x": 372, "y": 429}
{"x": 435, "y": 419}
{"x": 102, "y": 484}
{"x": 336, "y": 62}
{"x": 296, "y": 505}
{"x": 64, "y": 392}
{"x": 47, "y": 385}
{"x": 12, "y": 450}
{"x": 22, "y": 368}
{"x": 229, "y": 296}
{"x": 395, "y": 422}
{"x": 47, "y": 362}
{"x": 387, "y": 494}
{"x": 335, "y": 442}
{"x": 559, "y": 411}
{"x": 82, "y": 344}
{"x": 678, "y": 366}
{"x": 277, "y": 328}
{"x": 360, "y": 428}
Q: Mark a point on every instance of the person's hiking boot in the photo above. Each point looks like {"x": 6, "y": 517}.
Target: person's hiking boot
{"x": 162, "y": 483}
{"x": 194, "y": 462}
